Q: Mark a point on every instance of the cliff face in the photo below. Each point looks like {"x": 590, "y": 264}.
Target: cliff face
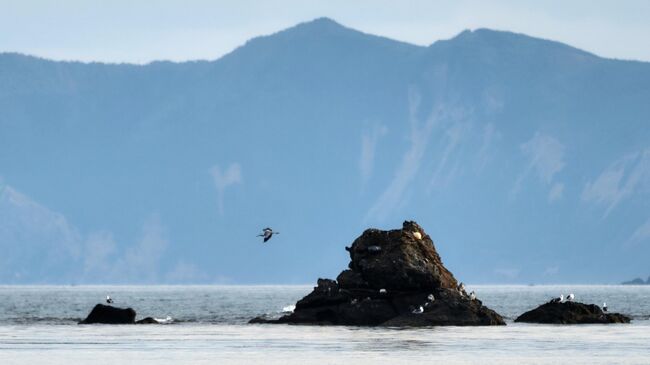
{"x": 395, "y": 278}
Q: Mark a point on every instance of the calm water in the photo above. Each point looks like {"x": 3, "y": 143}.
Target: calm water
{"x": 38, "y": 326}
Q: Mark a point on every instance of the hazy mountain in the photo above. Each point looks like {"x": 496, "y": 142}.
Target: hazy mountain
{"x": 526, "y": 160}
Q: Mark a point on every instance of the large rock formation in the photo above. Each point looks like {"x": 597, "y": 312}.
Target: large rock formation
{"x": 570, "y": 313}
{"x": 395, "y": 278}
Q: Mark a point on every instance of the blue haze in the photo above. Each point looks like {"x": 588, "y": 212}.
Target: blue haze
{"x": 526, "y": 160}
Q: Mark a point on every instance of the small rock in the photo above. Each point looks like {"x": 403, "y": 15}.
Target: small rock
{"x": 570, "y": 313}
{"x": 110, "y": 315}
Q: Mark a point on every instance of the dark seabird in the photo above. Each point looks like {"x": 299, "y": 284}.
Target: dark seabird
{"x": 267, "y": 233}
{"x": 109, "y": 300}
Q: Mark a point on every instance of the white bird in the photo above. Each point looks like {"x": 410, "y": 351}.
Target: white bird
{"x": 382, "y": 291}
{"x": 604, "y": 307}
{"x": 472, "y": 295}
{"x": 461, "y": 288}
{"x": 558, "y": 300}
{"x": 570, "y": 297}
{"x": 267, "y": 233}
{"x": 431, "y": 298}
{"x": 109, "y": 300}
{"x": 418, "y": 310}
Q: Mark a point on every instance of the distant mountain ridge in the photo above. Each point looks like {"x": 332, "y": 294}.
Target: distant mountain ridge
{"x": 528, "y": 159}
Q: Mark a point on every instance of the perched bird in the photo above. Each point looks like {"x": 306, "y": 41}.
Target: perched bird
{"x": 570, "y": 297}
{"x": 472, "y": 295}
{"x": 109, "y": 300}
{"x": 417, "y": 235}
{"x": 604, "y": 307}
{"x": 418, "y": 310}
{"x": 382, "y": 291}
{"x": 461, "y": 288}
{"x": 267, "y": 233}
{"x": 558, "y": 300}
{"x": 431, "y": 298}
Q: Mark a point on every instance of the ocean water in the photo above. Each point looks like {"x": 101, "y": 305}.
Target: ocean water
{"x": 209, "y": 326}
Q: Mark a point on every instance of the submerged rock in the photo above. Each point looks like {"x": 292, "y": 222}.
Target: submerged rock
{"x": 395, "y": 278}
{"x": 147, "y": 320}
{"x": 110, "y": 315}
{"x": 570, "y": 313}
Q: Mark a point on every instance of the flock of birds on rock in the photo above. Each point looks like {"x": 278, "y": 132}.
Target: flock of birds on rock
{"x": 570, "y": 298}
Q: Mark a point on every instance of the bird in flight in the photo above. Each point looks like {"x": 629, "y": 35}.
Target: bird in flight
{"x": 267, "y": 233}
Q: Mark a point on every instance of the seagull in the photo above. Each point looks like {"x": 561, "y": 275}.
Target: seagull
{"x": 267, "y": 233}
{"x": 418, "y": 310}
{"x": 558, "y": 300}
{"x": 461, "y": 289}
{"x": 472, "y": 295}
{"x": 570, "y": 297}
{"x": 604, "y": 307}
{"x": 109, "y": 300}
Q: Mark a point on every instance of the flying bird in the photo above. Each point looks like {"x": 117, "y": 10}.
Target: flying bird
{"x": 267, "y": 233}
{"x": 109, "y": 300}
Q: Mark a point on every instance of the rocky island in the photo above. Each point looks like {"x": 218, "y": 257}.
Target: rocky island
{"x": 557, "y": 312}
{"x": 106, "y": 314}
{"x": 394, "y": 278}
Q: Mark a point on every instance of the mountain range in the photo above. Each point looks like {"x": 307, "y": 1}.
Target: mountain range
{"x": 526, "y": 160}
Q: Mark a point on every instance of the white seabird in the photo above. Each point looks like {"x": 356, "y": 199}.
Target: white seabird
{"x": 418, "y": 310}
{"x": 570, "y": 297}
{"x": 472, "y": 295}
{"x": 267, "y": 233}
{"x": 461, "y": 289}
{"x": 604, "y": 307}
{"x": 558, "y": 300}
{"x": 109, "y": 300}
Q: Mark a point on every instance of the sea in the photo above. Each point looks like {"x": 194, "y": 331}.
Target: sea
{"x": 209, "y": 325}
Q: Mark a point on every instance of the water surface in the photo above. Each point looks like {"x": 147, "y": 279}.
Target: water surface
{"x": 38, "y": 325}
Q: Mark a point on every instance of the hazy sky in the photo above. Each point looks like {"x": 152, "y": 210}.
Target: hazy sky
{"x": 141, "y": 31}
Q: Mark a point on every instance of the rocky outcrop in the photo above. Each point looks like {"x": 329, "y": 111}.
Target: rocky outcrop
{"x": 570, "y": 313}
{"x": 110, "y": 315}
{"x": 107, "y": 314}
{"x": 394, "y": 278}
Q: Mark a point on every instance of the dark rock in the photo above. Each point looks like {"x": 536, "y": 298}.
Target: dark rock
{"x": 395, "y": 278}
{"x": 349, "y": 279}
{"x": 110, "y": 315}
{"x": 570, "y": 313}
{"x": 404, "y": 262}
{"x": 147, "y": 320}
